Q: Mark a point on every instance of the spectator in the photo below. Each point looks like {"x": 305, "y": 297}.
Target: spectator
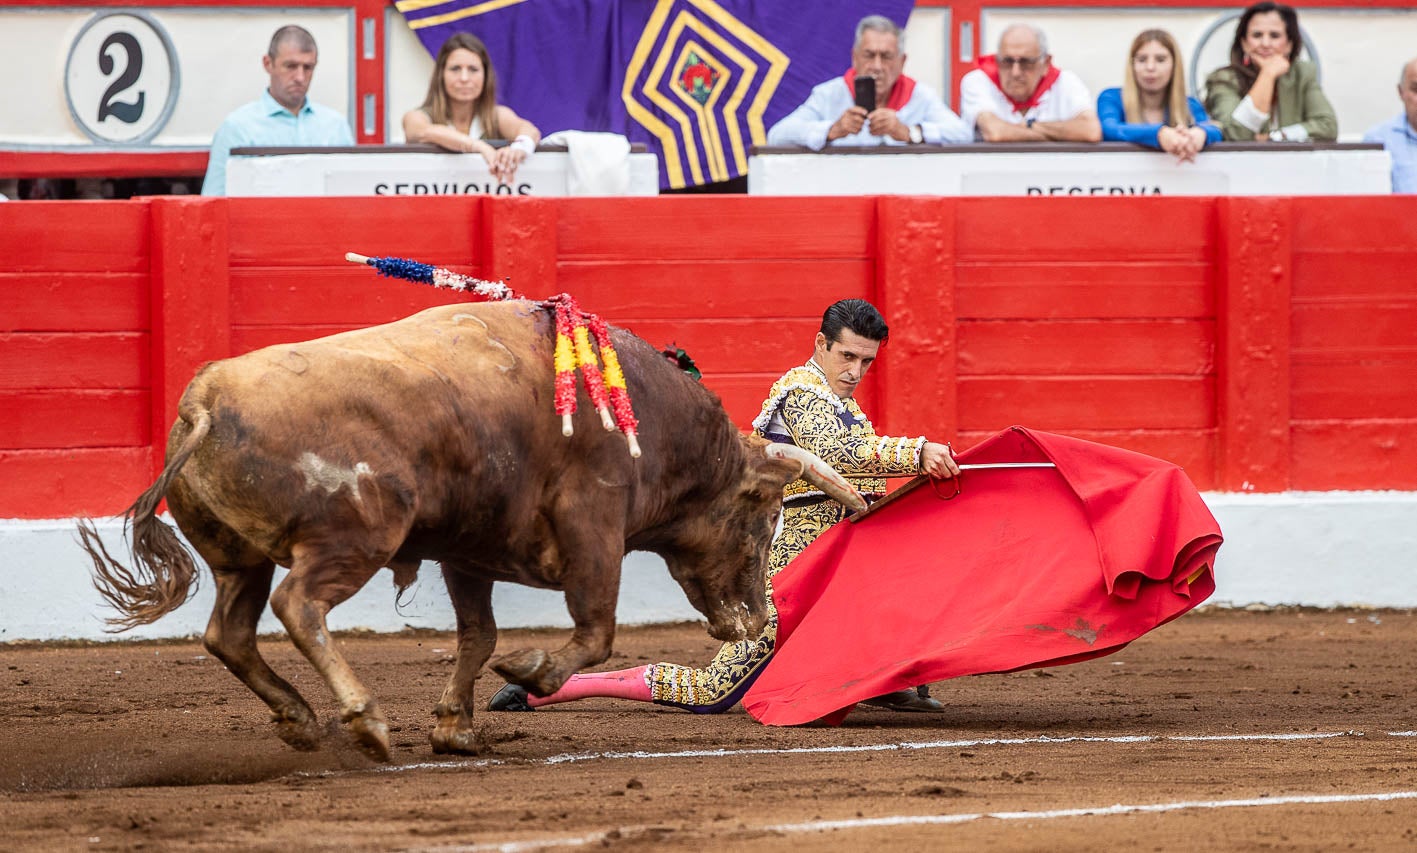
{"x": 1151, "y": 108}
{"x": 1017, "y": 95}
{"x": 282, "y": 115}
{"x": 906, "y": 112}
{"x": 1399, "y": 136}
{"x": 1266, "y": 93}
{"x": 461, "y": 111}
{"x": 47, "y": 189}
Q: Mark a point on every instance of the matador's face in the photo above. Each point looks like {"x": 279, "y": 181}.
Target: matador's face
{"x": 845, "y": 360}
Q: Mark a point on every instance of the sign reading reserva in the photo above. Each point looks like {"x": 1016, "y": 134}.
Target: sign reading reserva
{"x": 1099, "y": 181}
{"x": 1108, "y": 169}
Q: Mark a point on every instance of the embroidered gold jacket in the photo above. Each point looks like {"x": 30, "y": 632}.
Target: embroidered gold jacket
{"x": 802, "y": 409}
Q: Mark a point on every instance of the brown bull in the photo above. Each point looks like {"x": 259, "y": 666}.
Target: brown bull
{"x": 435, "y": 438}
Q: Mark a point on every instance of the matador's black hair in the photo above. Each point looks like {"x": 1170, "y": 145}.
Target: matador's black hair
{"x": 859, "y": 316}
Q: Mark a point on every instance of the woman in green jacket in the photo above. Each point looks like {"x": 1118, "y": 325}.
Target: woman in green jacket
{"x": 1266, "y": 93}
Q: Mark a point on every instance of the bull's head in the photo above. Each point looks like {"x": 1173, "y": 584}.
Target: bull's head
{"x": 722, "y": 568}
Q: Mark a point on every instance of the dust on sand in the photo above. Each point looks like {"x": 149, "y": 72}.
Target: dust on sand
{"x": 154, "y": 746}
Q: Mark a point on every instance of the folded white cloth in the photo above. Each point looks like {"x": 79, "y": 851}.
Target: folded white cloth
{"x": 600, "y": 162}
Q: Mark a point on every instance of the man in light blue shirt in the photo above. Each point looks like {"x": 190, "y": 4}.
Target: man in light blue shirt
{"x": 906, "y": 112}
{"x": 283, "y": 115}
{"x": 1399, "y": 136}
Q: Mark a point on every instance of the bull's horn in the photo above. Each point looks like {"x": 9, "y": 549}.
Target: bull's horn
{"x": 819, "y": 474}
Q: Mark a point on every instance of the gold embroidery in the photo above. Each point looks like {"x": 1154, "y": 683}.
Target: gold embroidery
{"x": 839, "y": 432}
{"x": 716, "y": 683}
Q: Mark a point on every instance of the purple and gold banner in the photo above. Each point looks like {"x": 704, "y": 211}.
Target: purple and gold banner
{"x": 698, "y": 81}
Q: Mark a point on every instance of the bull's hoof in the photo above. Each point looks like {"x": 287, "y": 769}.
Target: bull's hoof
{"x": 528, "y": 667}
{"x": 369, "y": 730}
{"x": 372, "y": 734}
{"x": 453, "y": 733}
{"x": 512, "y": 697}
{"x": 298, "y": 728}
{"x": 450, "y": 740}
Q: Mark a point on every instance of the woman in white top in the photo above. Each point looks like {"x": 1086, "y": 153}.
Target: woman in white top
{"x": 461, "y": 111}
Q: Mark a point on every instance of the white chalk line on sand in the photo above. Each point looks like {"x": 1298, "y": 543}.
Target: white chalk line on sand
{"x": 937, "y": 820}
{"x": 1043, "y": 740}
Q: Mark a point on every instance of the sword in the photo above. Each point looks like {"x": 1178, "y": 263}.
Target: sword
{"x": 922, "y": 479}
{"x": 972, "y": 466}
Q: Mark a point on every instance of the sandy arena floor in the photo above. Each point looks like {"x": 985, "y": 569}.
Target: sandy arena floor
{"x": 1225, "y": 730}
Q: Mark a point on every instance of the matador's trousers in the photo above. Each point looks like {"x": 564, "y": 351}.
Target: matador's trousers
{"x": 721, "y": 684}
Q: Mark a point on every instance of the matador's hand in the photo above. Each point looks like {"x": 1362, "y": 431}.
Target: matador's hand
{"x": 938, "y": 461}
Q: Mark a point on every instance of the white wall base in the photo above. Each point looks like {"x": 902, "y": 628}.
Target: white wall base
{"x": 1323, "y": 549}
{"x": 46, "y": 594}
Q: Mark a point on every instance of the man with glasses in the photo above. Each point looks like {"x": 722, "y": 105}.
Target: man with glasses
{"x": 1017, "y": 95}
{"x": 904, "y": 112}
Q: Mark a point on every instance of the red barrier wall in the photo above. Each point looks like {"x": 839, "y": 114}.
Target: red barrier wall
{"x": 1265, "y": 344}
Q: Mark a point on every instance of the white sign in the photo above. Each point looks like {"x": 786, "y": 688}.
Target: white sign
{"x": 121, "y": 78}
{"x": 1096, "y": 182}
{"x": 446, "y": 174}
{"x": 1108, "y": 169}
{"x": 421, "y": 173}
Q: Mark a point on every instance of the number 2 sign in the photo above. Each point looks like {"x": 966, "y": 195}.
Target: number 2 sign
{"x": 121, "y": 78}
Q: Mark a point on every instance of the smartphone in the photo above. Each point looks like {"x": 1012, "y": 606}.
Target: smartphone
{"x": 866, "y": 93}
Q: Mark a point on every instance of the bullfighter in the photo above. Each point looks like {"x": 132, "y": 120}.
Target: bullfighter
{"x": 812, "y": 406}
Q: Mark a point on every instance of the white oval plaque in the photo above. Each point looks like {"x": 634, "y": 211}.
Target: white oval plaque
{"x": 121, "y": 78}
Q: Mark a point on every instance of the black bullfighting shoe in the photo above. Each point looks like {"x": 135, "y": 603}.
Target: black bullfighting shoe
{"x": 512, "y": 697}
{"x": 906, "y": 700}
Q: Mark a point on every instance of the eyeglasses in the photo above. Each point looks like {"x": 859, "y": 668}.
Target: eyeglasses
{"x": 1022, "y": 63}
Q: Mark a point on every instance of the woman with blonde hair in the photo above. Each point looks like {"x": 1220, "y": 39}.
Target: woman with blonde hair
{"x": 1151, "y": 107}
{"x": 460, "y": 111}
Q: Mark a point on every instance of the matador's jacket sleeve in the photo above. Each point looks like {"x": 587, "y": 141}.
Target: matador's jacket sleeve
{"x": 802, "y": 409}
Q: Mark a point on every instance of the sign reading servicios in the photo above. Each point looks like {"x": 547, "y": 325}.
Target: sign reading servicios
{"x": 121, "y": 78}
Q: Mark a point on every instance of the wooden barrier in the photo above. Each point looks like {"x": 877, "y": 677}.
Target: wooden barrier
{"x": 1264, "y": 344}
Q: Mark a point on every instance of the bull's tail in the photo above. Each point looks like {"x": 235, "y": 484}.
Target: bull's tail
{"x": 164, "y": 574}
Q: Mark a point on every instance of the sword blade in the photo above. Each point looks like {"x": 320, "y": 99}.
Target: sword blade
{"x": 921, "y": 479}
{"x": 974, "y": 466}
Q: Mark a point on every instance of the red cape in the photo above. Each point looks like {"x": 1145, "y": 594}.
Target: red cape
{"x": 1027, "y": 567}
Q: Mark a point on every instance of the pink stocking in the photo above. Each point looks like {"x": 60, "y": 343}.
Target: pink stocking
{"x": 621, "y": 684}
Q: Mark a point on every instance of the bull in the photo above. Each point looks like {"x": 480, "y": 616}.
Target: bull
{"x": 434, "y": 438}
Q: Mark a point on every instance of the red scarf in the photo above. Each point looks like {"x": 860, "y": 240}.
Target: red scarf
{"x": 990, "y": 65}
{"x": 900, "y": 93}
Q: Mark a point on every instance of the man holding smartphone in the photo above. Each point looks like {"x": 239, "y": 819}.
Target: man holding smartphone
{"x": 873, "y": 103}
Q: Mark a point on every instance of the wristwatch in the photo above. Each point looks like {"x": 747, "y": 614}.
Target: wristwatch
{"x": 917, "y": 135}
